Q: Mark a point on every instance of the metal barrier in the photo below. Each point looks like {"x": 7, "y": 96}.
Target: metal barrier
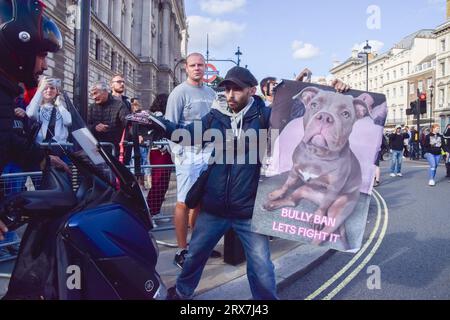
{"x": 161, "y": 195}
{"x": 67, "y": 145}
{"x": 161, "y": 198}
{"x": 9, "y": 248}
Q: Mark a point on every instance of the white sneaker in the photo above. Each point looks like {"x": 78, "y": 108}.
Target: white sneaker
{"x": 431, "y": 183}
{"x": 399, "y": 175}
{"x": 392, "y": 174}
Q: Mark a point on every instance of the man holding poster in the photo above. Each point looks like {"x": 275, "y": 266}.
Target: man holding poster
{"x": 229, "y": 193}
{"x": 235, "y": 124}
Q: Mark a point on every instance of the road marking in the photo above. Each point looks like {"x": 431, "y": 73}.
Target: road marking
{"x": 418, "y": 166}
{"x": 395, "y": 256}
{"x": 335, "y": 277}
{"x": 366, "y": 260}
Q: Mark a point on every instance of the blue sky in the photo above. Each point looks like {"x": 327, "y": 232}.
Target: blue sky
{"x": 282, "y": 37}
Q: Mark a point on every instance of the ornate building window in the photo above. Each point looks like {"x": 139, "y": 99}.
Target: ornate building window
{"x": 125, "y": 70}
{"x": 98, "y": 49}
{"x": 113, "y": 61}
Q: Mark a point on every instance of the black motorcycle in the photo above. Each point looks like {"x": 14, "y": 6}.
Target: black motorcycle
{"x": 89, "y": 243}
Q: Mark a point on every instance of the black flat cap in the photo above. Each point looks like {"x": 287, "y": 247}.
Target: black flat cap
{"x": 240, "y": 77}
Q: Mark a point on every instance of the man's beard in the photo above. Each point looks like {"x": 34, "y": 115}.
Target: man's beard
{"x": 37, "y": 75}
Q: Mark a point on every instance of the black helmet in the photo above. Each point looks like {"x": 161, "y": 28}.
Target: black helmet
{"x": 24, "y": 34}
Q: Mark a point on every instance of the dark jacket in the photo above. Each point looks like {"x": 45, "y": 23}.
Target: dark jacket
{"x": 446, "y": 146}
{"x": 20, "y": 149}
{"x": 231, "y": 188}
{"x": 127, "y": 103}
{"x": 111, "y": 113}
{"x": 434, "y": 143}
{"x": 396, "y": 141}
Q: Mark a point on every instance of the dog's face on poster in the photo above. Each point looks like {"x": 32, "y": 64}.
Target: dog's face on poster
{"x": 329, "y": 118}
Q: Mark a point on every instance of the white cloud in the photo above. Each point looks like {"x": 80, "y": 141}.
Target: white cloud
{"x": 218, "y": 7}
{"x": 304, "y": 51}
{"x": 221, "y": 32}
{"x": 375, "y": 44}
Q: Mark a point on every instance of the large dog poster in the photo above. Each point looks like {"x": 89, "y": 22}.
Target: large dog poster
{"x": 319, "y": 173}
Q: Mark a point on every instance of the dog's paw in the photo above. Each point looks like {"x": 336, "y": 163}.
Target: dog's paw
{"x": 275, "y": 195}
{"x": 269, "y": 206}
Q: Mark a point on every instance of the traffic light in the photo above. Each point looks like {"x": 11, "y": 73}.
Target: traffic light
{"x": 412, "y": 109}
{"x": 423, "y": 103}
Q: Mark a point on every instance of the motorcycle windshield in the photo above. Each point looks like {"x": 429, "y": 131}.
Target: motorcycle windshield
{"x": 91, "y": 155}
{"x": 84, "y": 142}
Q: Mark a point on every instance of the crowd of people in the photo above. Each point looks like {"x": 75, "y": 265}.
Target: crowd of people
{"x": 223, "y": 204}
{"x": 189, "y": 102}
{"x": 431, "y": 144}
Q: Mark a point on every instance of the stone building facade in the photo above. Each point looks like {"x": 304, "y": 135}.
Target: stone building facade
{"x": 145, "y": 40}
{"x": 390, "y": 73}
{"x": 422, "y": 79}
{"x": 442, "y": 69}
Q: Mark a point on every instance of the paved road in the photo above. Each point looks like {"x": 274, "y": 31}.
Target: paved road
{"x": 411, "y": 257}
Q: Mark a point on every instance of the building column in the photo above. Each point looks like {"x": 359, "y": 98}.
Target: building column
{"x": 171, "y": 42}
{"x": 103, "y": 11}
{"x": 137, "y": 28}
{"x": 156, "y": 17}
{"x": 128, "y": 20}
{"x": 184, "y": 42}
{"x": 146, "y": 41}
{"x": 165, "y": 56}
{"x": 117, "y": 17}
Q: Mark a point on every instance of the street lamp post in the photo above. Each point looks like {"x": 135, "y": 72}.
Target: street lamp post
{"x": 238, "y": 54}
{"x": 81, "y": 77}
{"x": 367, "y": 51}
{"x": 431, "y": 104}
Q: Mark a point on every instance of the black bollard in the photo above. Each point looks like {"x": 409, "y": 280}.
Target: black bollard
{"x": 233, "y": 252}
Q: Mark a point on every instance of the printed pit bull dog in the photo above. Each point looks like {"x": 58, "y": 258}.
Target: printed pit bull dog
{"x": 325, "y": 170}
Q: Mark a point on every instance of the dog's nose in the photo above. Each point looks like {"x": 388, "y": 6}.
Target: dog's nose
{"x": 326, "y": 118}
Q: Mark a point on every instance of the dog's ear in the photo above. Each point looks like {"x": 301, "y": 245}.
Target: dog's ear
{"x": 361, "y": 108}
{"x": 307, "y": 94}
{"x": 379, "y": 112}
{"x": 368, "y": 99}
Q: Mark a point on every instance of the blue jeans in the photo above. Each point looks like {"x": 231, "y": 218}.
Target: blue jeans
{"x": 396, "y": 162}
{"x": 433, "y": 160}
{"x": 414, "y": 151}
{"x": 207, "y": 232}
{"x": 144, "y": 160}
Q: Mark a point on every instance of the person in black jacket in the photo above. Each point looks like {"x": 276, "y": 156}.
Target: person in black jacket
{"x": 106, "y": 118}
{"x": 26, "y": 36}
{"x": 433, "y": 151}
{"x": 383, "y": 147}
{"x": 396, "y": 143}
{"x": 446, "y": 148}
{"x": 118, "y": 85}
